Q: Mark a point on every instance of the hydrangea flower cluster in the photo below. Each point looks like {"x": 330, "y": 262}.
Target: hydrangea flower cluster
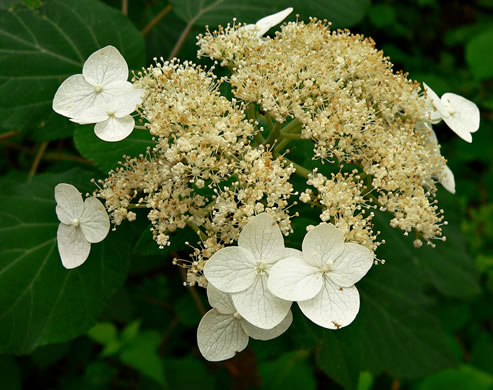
{"x": 222, "y": 168}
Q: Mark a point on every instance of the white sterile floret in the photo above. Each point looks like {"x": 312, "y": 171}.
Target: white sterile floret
{"x": 222, "y": 332}
{"x": 267, "y": 22}
{"x": 460, "y": 114}
{"x": 113, "y": 119}
{"x": 322, "y": 277}
{"x": 102, "y": 87}
{"x": 82, "y": 223}
{"x": 243, "y": 271}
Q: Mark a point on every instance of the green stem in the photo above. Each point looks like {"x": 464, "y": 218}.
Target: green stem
{"x": 197, "y": 230}
{"x": 292, "y": 127}
{"x": 300, "y": 170}
{"x": 251, "y": 116}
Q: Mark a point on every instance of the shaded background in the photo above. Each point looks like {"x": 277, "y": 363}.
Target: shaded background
{"x": 427, "y": 315}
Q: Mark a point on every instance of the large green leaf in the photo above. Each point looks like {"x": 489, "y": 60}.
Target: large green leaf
{"x": 215, "y": 12}
{"x": 42, "y": 302}
{"x": 41, "y": 47}
{"x": 479, "y": 56}
{"x": 107, "y": 154}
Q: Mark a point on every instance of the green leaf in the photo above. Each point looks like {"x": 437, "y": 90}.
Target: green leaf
{"x": 339, "y": 356}
{"x": 215, "y": 12}
{"x": 290, "y": 371}
{"x": 107, "y": 154}
{"x": 479, "y": 55}
{"x": 10, "y": 373}
{"x": 42, "y": 302}
{"x": 382, "y": 15}
{"x": 463, "y": 378}
{"x": 103, "y": 332}
{"x": 141, "y": 354}
{"x": 41, "y": 47}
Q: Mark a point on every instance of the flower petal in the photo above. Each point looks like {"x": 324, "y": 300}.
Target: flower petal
{"x": 263, "y": 238}
{"x": 447, "y": 180}
{"x": 323, "y": 244}
{"x": 115, "y": 129}
{"x": 294, "y": 279}
{"x": 231, "y": 269}
{"x": 69, "y": 201}
{"x": 259, "y": 306}
{"x": 434, "y": 105}
{"x": 334, "y": 307}
{"x": 94, "y": 221}
{"x": 74, "y": 96}
{"x": 267, "y": 22}
{"x": 105, "y": 66}
{"x": 463, "y": 115}
{"x": 351, "y": 265}
{"x": 220, "y": 336}
{"x": 219, "y": 300}
{"x": 267, "y": 334}
{"x": 72, "y": 246}
{"x": 128, "y": 101}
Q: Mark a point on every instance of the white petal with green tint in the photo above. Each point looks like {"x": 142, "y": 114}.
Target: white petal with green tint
{"x": 115, "y": 129}
{"x": 351, "y": 265}
{"x": 220, "y": 300}
{"x": 94, "y": 221}
{"x": 263, "y": 238}
{"x": 323, "y": 244}
{"x": 294, "y": 279}
{"x": 72, "y": 246}
{"x": 461, "y": 115}
{"x": 220, "y": 336}
{"x": 333, "y": 307}
{"x": 266, "y": 23}
{"x": 259, "y": 306}
{"x": 267, "y": 334}
{"x": 70, "y": 205}
{"x": 74, "y": 96}
{"x": 105, "y": 66}
{"x": 231, "y": 269}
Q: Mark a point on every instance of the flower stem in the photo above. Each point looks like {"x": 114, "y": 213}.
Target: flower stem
{"x": 37, "y": 160}
{"x": 181, "y": 40}
{"x": 156, "y": 19}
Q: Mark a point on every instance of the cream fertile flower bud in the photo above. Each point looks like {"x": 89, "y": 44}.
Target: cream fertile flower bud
{"x": 82, "y": 223}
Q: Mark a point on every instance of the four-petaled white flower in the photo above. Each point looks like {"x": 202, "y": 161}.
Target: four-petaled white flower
{"x": 222, "y": 332}
{"x": 101, "y": 88}
{"x": 460, "y": 114}
{"x": 322, "y": 277}
{"x": 243, "y": 271}
{"x": 82, "y": 223}
{"x": 267, "y": 22}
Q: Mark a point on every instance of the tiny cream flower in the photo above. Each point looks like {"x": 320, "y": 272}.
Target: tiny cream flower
{"x": 222, "y": 332}
{"x": 267, "y": 22}
{"x": 460, "y": 114}
{"x": 243, "y": 271}
{"x": 82, "y": 223}
{"x": 322, "y": 277}
{"x": 100, "y": 92}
